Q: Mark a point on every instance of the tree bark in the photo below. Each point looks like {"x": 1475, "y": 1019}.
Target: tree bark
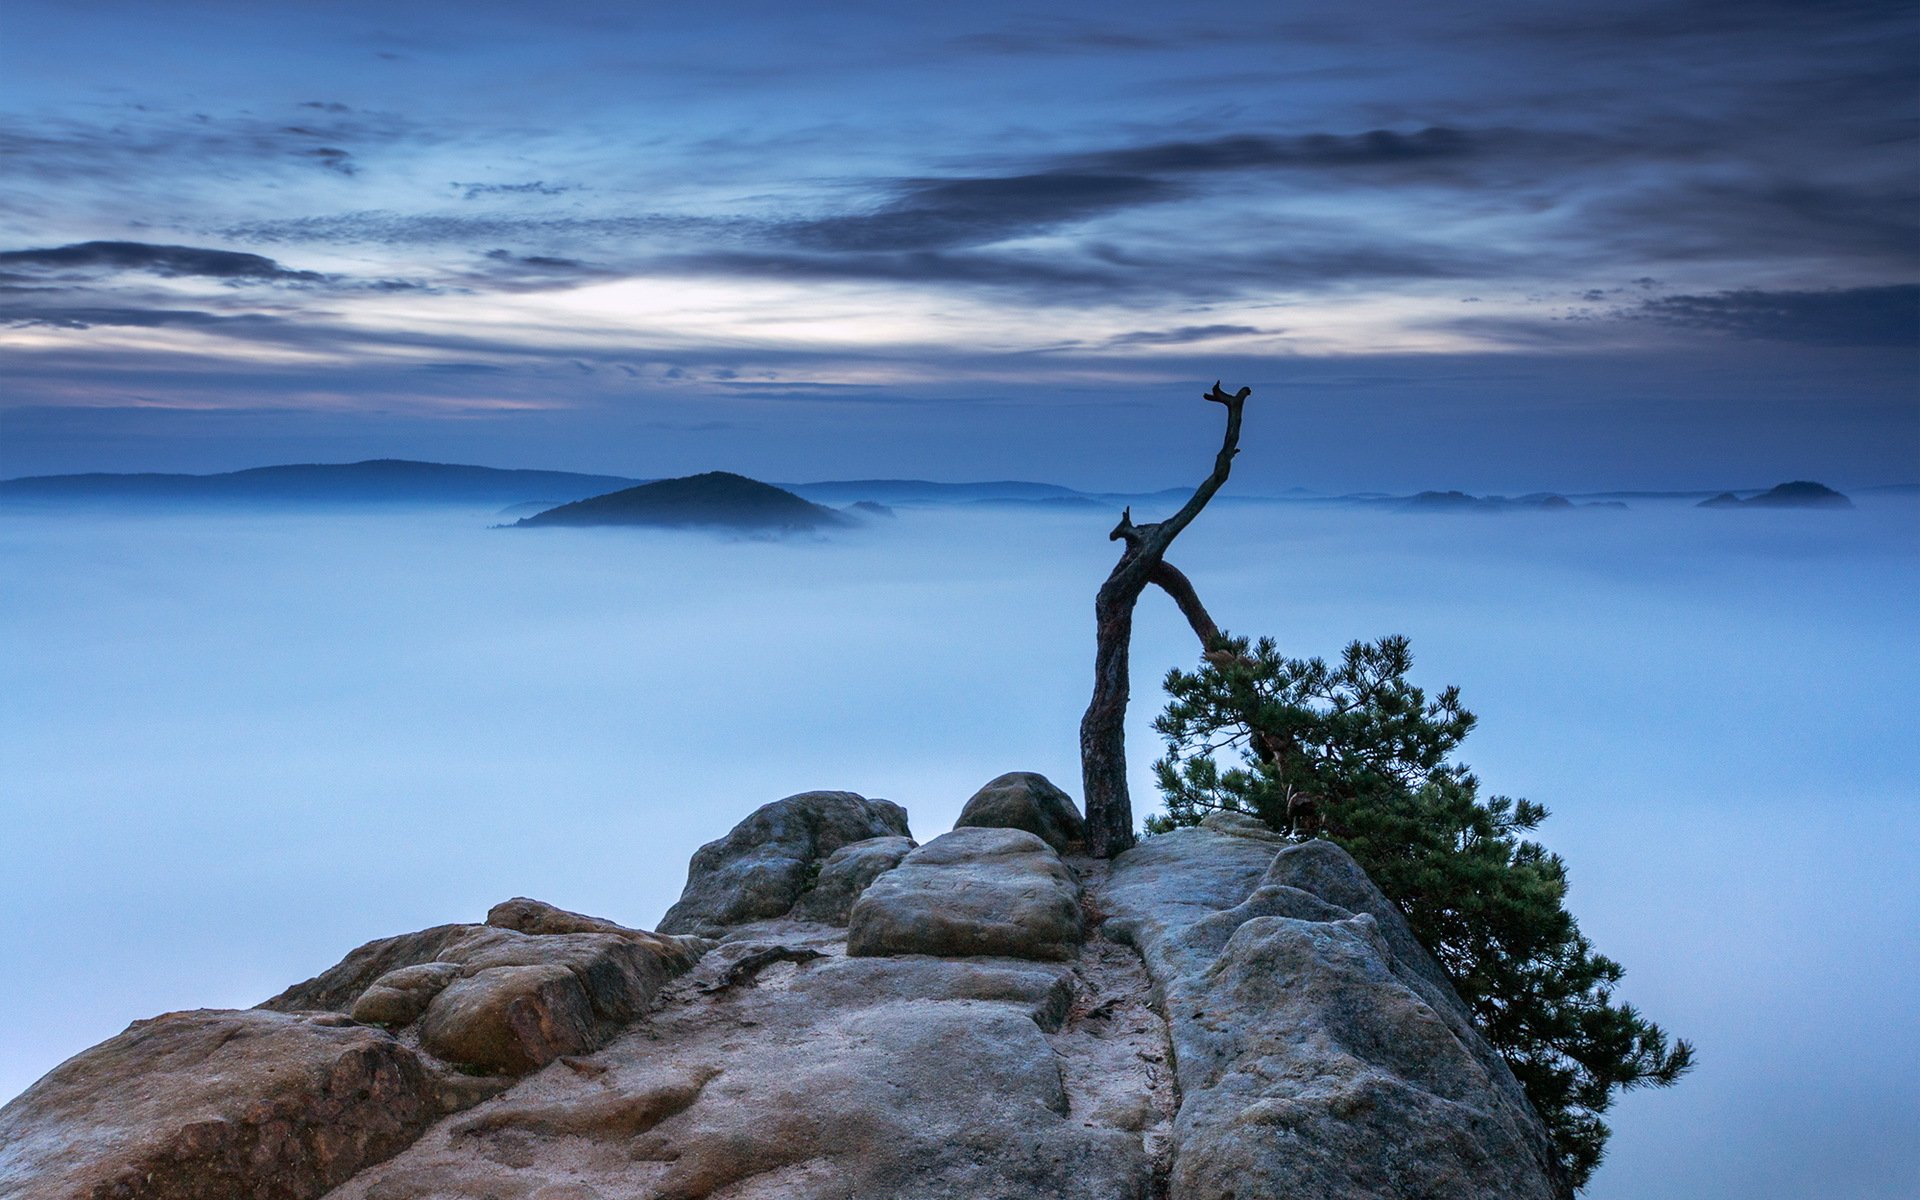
{"x": 1103, "y": 731}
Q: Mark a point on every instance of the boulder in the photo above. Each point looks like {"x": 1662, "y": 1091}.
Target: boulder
{"x": 763, "y": 865}
{"x": 218, "y": 1105}
{"x": 511, "y": 1019}
{"x": 492, "y": 999}
{"x": 1029, "y": 801}
{"x": 536, "y": 916}
{"x": 846, "y": 874}
{"x": 399, "y": 997}
{"x": 972, "y": 892}
{"x": 1320, "y": 1051}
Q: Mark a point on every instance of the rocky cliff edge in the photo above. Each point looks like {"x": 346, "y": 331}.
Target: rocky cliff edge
{"x": 833, "y": 1011}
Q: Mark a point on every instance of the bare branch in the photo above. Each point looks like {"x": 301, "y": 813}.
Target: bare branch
{"x": 1174, "y": 583}
{"x": 1167, "y": 530}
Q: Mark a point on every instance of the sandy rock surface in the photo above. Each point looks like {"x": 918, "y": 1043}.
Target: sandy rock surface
{"x": 972, "y": 892}
{"x": 1218, "y": 1014}
{"x": 1321, "y": 1052}
{"x": 215, "y": 1103}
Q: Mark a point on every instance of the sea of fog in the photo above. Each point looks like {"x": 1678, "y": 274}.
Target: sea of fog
{"x": 234, "y": 745}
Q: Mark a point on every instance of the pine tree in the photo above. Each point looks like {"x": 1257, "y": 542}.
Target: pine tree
{"x": 1355, "y": 753}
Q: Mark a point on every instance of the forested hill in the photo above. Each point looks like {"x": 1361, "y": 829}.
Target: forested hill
{"x": 713, "y": 499}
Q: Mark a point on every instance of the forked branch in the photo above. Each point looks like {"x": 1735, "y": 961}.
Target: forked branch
{"x": 1103, "y": 765}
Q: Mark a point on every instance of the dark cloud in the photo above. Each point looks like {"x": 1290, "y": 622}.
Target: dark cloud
{"x": 159, "y": 260}
{"x": 333, "y": 159}
{"x": 1105, "y": 272}
{"x": 141, "y": 142}
{"x": 1062, "y": 37}
{"x": 1183, "y": 335}
{"x": 539, "y": 187}
{"x": 1761, "y": 217}
{"x": 542, "y": 262}
{"x": 1040, "y": 277}
{"x": 1645, "y": 23}
{"x": 382, "y": 227}
{"x": 943, "y": 214}
{"x": 1315, "y": 150}
{"x": 1862, "y": 316}
{"x": 84, "y": 317}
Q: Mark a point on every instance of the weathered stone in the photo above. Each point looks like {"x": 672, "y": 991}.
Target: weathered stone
{"x": 217, "y": 1105}
{"x": 336, "y": 988}
{"x": 510, "y": 1019}
{"x": 1320, "y": 1050}
{"x": 1029, "y": 801}
{"x": 817, "y": 1078}
{"x": 564, "y": 992}
{"x": 972, "y": 892}
{"x": 957, "y": 1039}
{"x": 1239, "y": 824}
{"x": 846, "y": 874}
{"x": 399, "y": 997}
{"x": 761, "y": 867}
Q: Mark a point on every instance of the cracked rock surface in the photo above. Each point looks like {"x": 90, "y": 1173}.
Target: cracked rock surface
{"x": 1321, "y": 1050}
{"x": 1216, "y": 1015}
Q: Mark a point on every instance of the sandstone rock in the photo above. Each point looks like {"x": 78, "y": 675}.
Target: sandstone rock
{"x": 972, "y": 892}
{"x": 399, "y": 997}
{"x": 493, "y": 999}
{"x": 1320, "y": 1050}
{"x": 336, "y": 988}
{"x": 818, "y": 1077}
{"x": 956, "y": 1039}
{"x": 1239, "y": 824}
{"x": 761, "y": 867}
{"x": 846, "y": 874}
{"x": 510, "y": 1019}
{"x": 1029, "y": 801}
{"x": 537, "y": 916}
{"x": 217, "y": 1105}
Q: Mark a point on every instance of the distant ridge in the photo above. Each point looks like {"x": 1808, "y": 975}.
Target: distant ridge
{"x": 922, "y": 491}
{"x": 1801, "y": 493}
{"x": 375, "y": 481}
{"x": 1462, "y": 502}
{"x": 716, "y": 499}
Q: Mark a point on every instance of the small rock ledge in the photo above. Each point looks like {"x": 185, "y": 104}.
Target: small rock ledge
{"x": 832, "y": 1011}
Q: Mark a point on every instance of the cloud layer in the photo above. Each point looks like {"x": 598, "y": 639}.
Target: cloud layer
{"x": 967, "y": 203}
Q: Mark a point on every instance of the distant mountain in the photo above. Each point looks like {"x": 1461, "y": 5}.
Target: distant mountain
{"x": 921, "y": 491}
{"x": 1802, "y": 493}
{"x": 1463, "y": 502}
{"x": 717, "y": 499}
{"x": 378, "y": 481}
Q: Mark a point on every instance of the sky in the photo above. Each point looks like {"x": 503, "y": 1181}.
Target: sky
{"x": 1505, "y": 245}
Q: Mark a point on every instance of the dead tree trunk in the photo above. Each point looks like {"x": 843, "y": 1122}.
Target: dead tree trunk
{"x": 1103, "y": 731}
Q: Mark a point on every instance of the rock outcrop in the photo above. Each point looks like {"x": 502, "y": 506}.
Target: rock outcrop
{"x": 972, "y": 892}
{"x": 211, "y": 1103}
{"x": 846, "y": 873}
{"x": 837, "y": 1014}
{"x": 763, "y": 865}
{"x": 1322, "y": 1052}
{"x": 1029, "y": 801}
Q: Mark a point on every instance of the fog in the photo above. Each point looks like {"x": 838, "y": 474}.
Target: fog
{"x": 235, "y": 745}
